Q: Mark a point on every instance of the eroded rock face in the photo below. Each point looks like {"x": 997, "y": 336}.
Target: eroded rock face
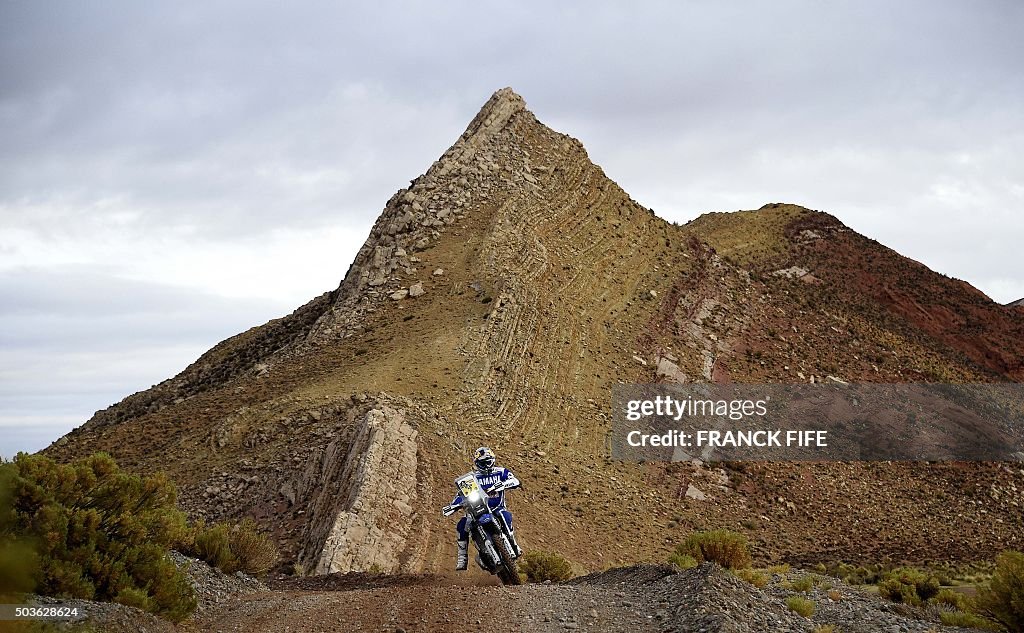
{"x": 363, "y": 510}
{"x": 469, "y": 173}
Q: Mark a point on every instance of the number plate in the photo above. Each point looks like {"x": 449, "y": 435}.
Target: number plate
{"x": 468, "y": 485}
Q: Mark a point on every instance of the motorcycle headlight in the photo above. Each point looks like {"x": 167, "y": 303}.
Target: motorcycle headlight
{"x": 474, "y": 496}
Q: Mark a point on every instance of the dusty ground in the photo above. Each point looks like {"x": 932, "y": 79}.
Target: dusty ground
{"x": 636, "y": 599}
{"x": 433, "y": 603}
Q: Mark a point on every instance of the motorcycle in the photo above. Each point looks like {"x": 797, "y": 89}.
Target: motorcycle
{"x": 487, "y": 530}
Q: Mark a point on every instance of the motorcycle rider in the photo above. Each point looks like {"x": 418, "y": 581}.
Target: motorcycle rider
{"x": 489, "y": 477}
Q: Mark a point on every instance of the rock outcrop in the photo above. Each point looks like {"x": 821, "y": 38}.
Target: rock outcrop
{"x": 362, "y": 494}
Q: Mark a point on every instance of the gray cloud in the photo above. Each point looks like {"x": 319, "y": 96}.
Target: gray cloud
{"x": 75, "y": 340}
{"x": 174, "y": 173}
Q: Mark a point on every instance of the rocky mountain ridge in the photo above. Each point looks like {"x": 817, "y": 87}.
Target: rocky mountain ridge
{"x": 496, "y": 301}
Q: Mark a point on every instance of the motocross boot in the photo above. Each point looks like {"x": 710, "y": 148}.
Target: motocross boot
{"x": 463, "y": 559}
{"x": 516, "y": 551}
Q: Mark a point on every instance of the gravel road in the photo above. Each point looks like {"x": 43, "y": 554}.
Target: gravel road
{"x": 645, "y": 598}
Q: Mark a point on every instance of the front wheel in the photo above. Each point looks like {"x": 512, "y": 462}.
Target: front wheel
{"x": 507, "y": 571}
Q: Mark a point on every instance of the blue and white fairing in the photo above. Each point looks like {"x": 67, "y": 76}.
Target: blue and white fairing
{"x": 487, "y": 481}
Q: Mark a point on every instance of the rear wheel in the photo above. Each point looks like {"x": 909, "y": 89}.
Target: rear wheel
{"x": 508, "y": 573}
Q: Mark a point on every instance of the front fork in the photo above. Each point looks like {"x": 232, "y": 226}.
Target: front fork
{"x": 484, "y": 545}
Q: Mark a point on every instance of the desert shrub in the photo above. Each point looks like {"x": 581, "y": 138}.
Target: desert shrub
{"x": 213, "y": 544}
{"x": 854, "y": 575}
{"x": 757, "y": 578}
{"x": 968, "y": 621}
{"x": 540, "y": 566}
{"x": 19, "y": 567}
{"x": 231, "y": 548}
{"x": 826, "y": 628}
{"x": 682, "y": 561}
{"x": 1002, "y": 599}
{"x": 800, "y": 605}
{"x": 255, "y": 552}
{"x": 19, "y": 564}
{"x": 953, "y": 600}
{"x": 97, "y": 533}
{"x": 728, "y": 549}
{"x": 132, "y": 597}
{"x": 909, "y": 586}
{"x": 803, "y": 584}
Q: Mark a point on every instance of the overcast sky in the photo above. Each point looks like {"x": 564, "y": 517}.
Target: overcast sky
{"x": 173, "y": 174}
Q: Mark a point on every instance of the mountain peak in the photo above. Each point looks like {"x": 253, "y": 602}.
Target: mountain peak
{"x": 503, "y": 155}
{"x": 493, "y": 117}
{"x": 502, "y": 105}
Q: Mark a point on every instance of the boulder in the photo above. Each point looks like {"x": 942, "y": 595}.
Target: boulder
{"x": 669, "y": 371}
{"x": 693, "y": 492}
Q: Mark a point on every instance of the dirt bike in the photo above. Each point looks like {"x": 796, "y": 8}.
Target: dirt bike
{"x": 488, "y": 530}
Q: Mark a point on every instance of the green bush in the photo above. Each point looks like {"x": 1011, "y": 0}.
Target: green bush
{"x": 854, "y": 575}
{"x": 909, "y": 586}
{"x": 968, "y": 621}
{"x": 728, "y": 549}
{"x": 1002, "y": 599}
{"x": 803, "y": 584}
{"x": 682, "y": 561}
{"x": 97, "y": 533}
{"x": 953, "y": 600}
{"x": 800, "y": 605}
{"x": 19, "y": 564}
{"x": 757, "y": 578}
{"x": 540, "y": 566}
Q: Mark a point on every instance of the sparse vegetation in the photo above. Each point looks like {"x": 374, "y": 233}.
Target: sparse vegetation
{"x": 728, "y": 549}
{"x": 952, "y": 600}
{"x": 856, "y": 575}
{"x": 755, "y": 577}
{"x": 909, "y": 586}
{"x": 232, "y": 548}
{"x": 539, "y": 566}
{"x": 800, "y": 605}
{"x": 212, "y": 545}
{"x": 1002, "y": 599}
{"x": 968, "y": 621}
{"x": 803, "y": 584}
{"x": 682, "y": 561}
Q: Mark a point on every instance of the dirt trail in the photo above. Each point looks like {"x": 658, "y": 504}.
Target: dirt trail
{"x": 432, "y": 604}
{"x": 642, "y": 598}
